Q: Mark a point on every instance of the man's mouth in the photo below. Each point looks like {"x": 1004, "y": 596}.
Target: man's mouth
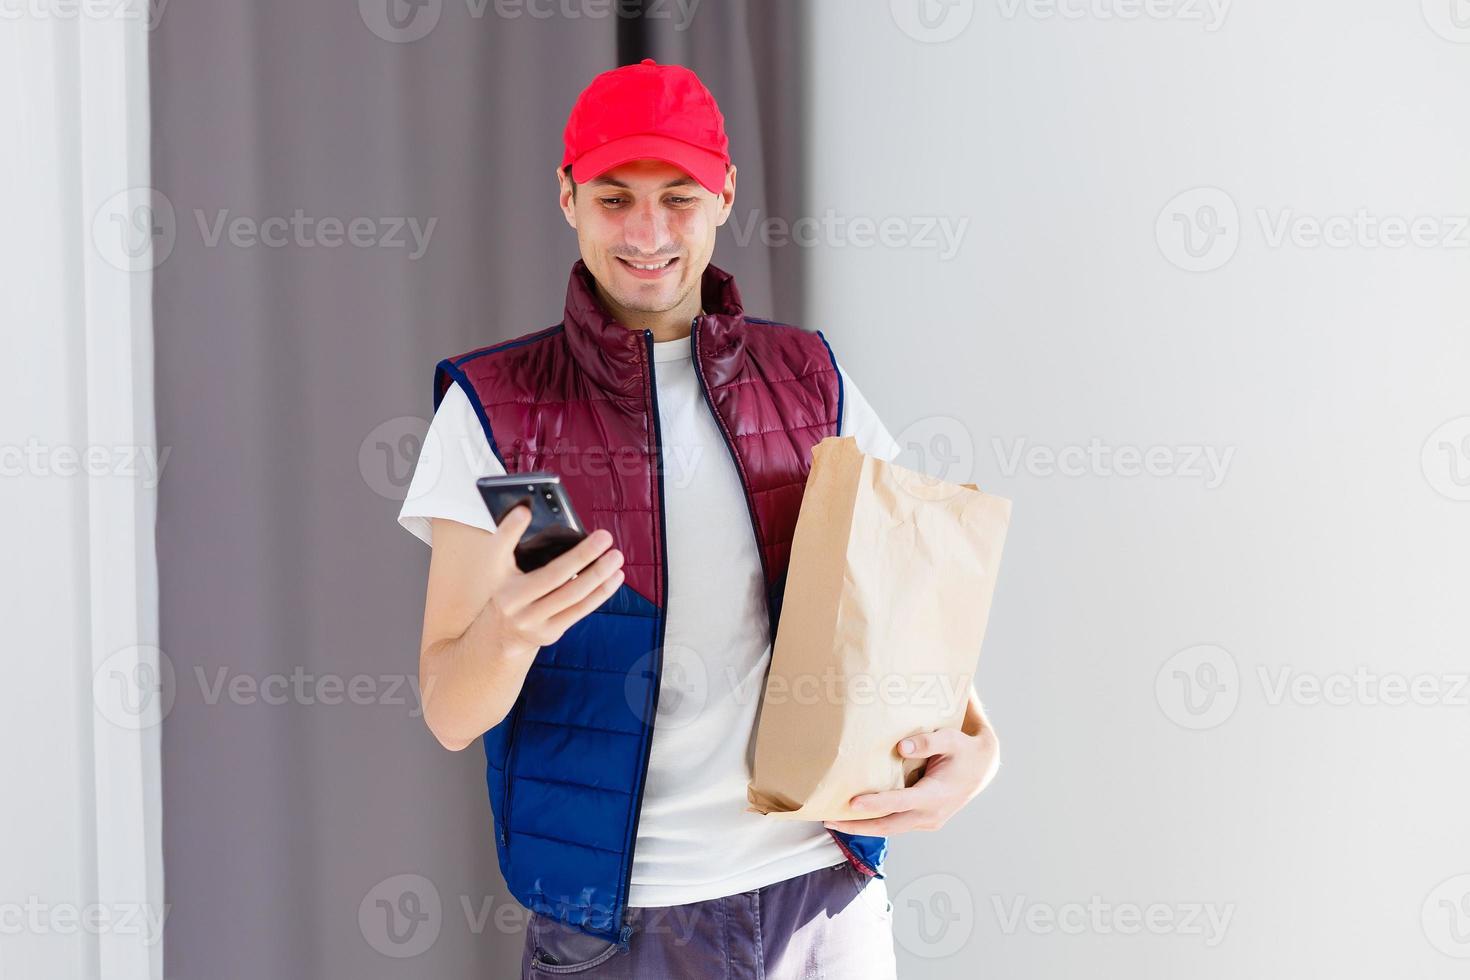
{"x": 648, "y": 270}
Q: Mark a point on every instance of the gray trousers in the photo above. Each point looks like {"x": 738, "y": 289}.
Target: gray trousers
{"x": 834, "y": 923}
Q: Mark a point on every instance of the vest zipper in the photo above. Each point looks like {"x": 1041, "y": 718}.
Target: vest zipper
{"x": 852, "y": 857}
{"x": 510, "y": 758}
{"x": 625, "y": 933}
{"x": 740, "y": 471}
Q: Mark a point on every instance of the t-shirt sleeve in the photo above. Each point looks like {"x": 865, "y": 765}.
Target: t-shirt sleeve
{"x": 455, "y": 453}
{"x": 861, "y": 422}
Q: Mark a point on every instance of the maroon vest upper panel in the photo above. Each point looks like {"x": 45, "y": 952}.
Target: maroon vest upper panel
{"x": 576, "y": 400}
{"x": 774, "y": 401}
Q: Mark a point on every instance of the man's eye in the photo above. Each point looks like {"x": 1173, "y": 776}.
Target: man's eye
{"x": 611, "y": 201}
{"x": 680, "y": 201}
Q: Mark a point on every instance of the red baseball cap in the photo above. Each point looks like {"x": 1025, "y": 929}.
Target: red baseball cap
{"x": 647, "y": 111}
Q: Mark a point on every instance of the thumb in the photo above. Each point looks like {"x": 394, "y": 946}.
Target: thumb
{"x": 511, "y": 526}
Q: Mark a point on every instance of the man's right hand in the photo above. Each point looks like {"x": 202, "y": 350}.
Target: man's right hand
{"x": 533, "y": 609}
{"x": 484, "y": 619}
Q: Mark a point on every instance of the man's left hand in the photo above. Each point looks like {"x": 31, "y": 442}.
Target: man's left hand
{"x": 959, "y": 767}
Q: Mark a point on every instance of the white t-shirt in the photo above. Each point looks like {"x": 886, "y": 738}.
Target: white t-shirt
{"x": 695, "y": 839}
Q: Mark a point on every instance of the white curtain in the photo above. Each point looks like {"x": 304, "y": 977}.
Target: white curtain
{"x": 85, "y": 689}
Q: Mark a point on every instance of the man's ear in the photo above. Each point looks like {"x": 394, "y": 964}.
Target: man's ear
{"x": 564, "y": 187}
{"x": 727, "y": 197}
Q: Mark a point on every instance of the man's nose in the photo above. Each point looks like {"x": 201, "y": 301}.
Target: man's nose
{"x": 647, "y": 228}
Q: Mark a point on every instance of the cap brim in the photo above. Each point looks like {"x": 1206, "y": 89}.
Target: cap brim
{"x": 704, "y": 166}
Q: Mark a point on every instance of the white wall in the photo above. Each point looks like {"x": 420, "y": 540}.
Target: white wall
{"x": 1332, "y": 835}
{"x": 81, "y": 874}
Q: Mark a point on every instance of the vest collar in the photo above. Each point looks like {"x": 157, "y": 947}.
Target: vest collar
{"x": 612, "y": 355}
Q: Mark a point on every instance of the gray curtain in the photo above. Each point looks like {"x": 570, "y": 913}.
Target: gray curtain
{"x": 293, "y": 376}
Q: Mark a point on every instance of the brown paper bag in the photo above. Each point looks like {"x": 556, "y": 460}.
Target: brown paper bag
{"x": 886, "y": 601}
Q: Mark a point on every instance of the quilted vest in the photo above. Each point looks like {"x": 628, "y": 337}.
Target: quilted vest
{"x": 565, "y": 768}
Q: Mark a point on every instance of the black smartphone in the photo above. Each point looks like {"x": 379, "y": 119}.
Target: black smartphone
{"x": 554, "y": 526}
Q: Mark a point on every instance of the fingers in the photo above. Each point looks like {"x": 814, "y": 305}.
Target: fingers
{"x": 560, "y": 569}
{"x": 560, "y": 622}
{"x": 895, "y": 823}
{"x": 944, "y": 741}
{"x": 579, "y": 588}
{"x": 508, "y": 531}
{"x": 889, "y": 801}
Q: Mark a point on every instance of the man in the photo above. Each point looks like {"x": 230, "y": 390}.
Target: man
{"x": 617, "y": 687}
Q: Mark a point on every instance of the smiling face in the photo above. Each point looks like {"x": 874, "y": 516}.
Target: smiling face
{"x": 646, "y": 230}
